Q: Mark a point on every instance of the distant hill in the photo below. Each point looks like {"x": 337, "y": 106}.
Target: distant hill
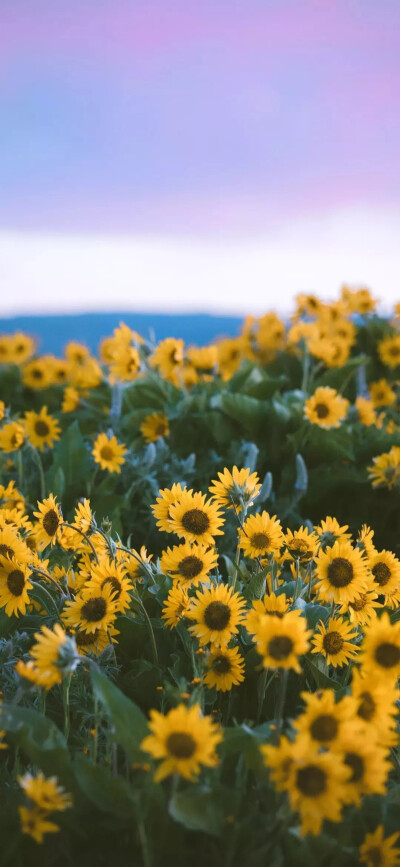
{"x": 53, "y": 332}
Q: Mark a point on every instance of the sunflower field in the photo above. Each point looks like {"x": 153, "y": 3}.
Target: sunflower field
{"x": 200, "y": 596}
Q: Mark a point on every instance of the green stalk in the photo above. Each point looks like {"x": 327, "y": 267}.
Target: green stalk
{"x": 280, "y": 705}
{"x": 65, "y": 694}
{"x": 84, "y": 535}
{"x": 149, "y": 627}
{"x": 20, "y": 470}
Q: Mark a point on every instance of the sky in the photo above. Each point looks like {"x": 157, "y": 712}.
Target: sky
{"x": 172, "y": 154}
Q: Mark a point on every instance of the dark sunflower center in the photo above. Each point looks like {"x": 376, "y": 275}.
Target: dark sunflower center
{"x": 36, "y": 373}
{"x": 381, "y": 573}
{"x": 83, "y": 639}
{"x": 221, "y": 664}
{"x": 217, "y": 616}
{"x": 16, "y": 582}
{"x": 299, "y": 550}
{"x": 340, "y": 572}
{"x": 356, "y": 765}
{"x": 360, "y": 603}
{"x": 387, "y": 654}
{"x": 107, "y": 453}
{"x": 51, "y": 522}
{"x": 94, "y": 609}
{"x": 322, "y": 410}
{"x": 190, "y": 566}
{"x": 280, "y": 647}
{"x": 278, "y": 614}
{"x": 195, "y": 521}
{"x": 181, "y": 745}
{"x": 332, "y": 642}
{"x": 367, "y": 707}
{"x": 6, "y": 551}
{"x": 311, "y": 781}
{"x": 160, "y": 429}
{"x": 113, "y": 583}
{"x": 375, "y": 856}
{"x": 41, "y": 428}
{"x": 324, "y": 728}
{"x": 260, "y": 540}
{"x": 395, "y": 351}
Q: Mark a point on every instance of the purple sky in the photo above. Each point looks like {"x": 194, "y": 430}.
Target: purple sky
{"x": 196, "y": 115}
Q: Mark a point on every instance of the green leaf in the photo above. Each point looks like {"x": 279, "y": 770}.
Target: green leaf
{"x": 322, "y": 680}
{"x": 201, "y": 808}
{"x": 246, "y": 410}
{"x": 108, "y": 793}
{"x": 130, "y": 726}
{"x": 40, "y": 740}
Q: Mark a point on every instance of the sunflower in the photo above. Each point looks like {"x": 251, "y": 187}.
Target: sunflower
{"x": 60, "y": 371}
{"x": 376, "y": 706}
{"x": 329, "y": 531}
{"x": 368, "y": 763}
{"x": 316, "y": 789}
{"x": 30, "y": 673}
{"x": 341, "y": 573}
{"x": 301, "y": 544}
{"x": 279, "y": 760}
{"x": 365, "y": 540}
{"x": 42, "y": 429}
{"x": 380, "y": 652}
{"x": 49, "y": 522}
{"x": 385, "y": 568}
{"x": 94, "y": 642}
{"x": 109, "y": 453}
{"x": 324, "y": 721}
{"x": 54, "y": 655}
{"x": 275, "y": 606}
{"x": 176, "y": 606}
{"x": 93, "y": 608}
{"x": 230, "y": 354}
{"x": 35, "y": 824}
{"x": 83, "y": 518}
{"x": 36, "y": 374}
{"x": 137, "y": 566}
{"x": 380, "y": 851}
{"x": 363, "y": 609}
{"x": 333, "y": 641}
{"x": 71, "y": 399}
{"x": 382, "y": 394}
{"x": 14, "y": 518}
{"x": 326, "y": 408}
{"x": 217, "y": 613}
{"x": 13, "y": 547}
{"x": 366, "y": 412}
{"x": 154, "y": 426}
{"x": 389, "y": 350}
{"x": 125, "y": 364}
{"x": 22, "y": 346}
{"x": 280, "y": 641}
{"x": 261, "y": 535}
{"x": 14, "y": 586}
{"x": 225, "y": 669}
{"x": 204, "y": 359}
{"x": 184, "y": 740}
{"x": 108, "y": 574}
{"x": 161, "y": 509}
{"x": 386, "y": 468}
{"x": 12, "y": 436}
{"x": 238, "y": 488}
{"x": 189, "y": 564}
{"x": 45, "y": 793}
{"x": 196, "y": 519}
{"x": 167, "y": 357}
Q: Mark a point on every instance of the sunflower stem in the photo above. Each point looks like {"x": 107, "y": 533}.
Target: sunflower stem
{"x": 41, "y": 473}
{"x": 96, "y": 728}
{"x": 237, "y": 561}
{"x": 261, "y": 686}
{"x": 138, "y": 560}
{"x": 65, "y": 694}
{"x": 147, "y": 861}
{"x": 46, "y": 592}
{"x": 20, "y": 470}
{"x": 149, "y": 627}
{"x": 298, "y": 580}
{"x": 280, "y": 705}
{"x": 42, "y": 701}
{"x": 84, "y": 535}
{"x": 306, "y": 370}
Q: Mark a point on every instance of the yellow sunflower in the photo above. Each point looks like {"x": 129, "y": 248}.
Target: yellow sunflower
{"x": 35, "y": 824}
{"x": 83, "y": 518}
{"x": 326, "y": 408}
{"x": 45, "y": 792}
{"x": 324, "y": 720}
{"x": 334, "y": 642}
{"x": 386, "y": 468}
{"x": 382, "y": 393}
{"x": 225, "y": 669}
{"x": 14, "y": 518}
{"x": 217, "y": 613}
{"x": 389, "y": 350}
{"x": 238, "y": 488}
{"x": 71, "y": 399}
{"x": 125, "y": 364}
{"x": 109, "y": 453}
{"x": 196, "y": 519}
{"x": 261, "y": 535}
{"x": 368, "y": 764}
{"x": 154, "y": 426}
{"x": 363, "y": 609}
{"x": 275, "y": 606}
{"x": 316, "y": 789}
{"x": 301, "y": 544}
{"x": 329, "y": 531}
{"x": 93, "y": 608}
{"x": 94, "y": 642}
{"x": 14, "y": 586}
{"x": 341, "y": 573}
{"x": 385, "y": 568}
{"x": 12, "y": 436}
{"x": 279, "y": 760}
{"x": 380, "y": 851}
{"x": 22, "y": 346}
{"x": 41, "y": 428}
{"x": 189, "y": 564}
{"x": 280, "y": 641}
{"x": 204, "y": 359}
{"x": 54, "y": 654}
{"x": 366, "y": 412}
{"x": 176, "y": 606}
{"x": 109, "y": 574}
{"x": 167, "y": 357}
{"x": 161, "y": 509}
{"x": 49, "y": 521}
{"x": 36, "y": 374}
{"x": 380, "y": 651}
{"x": 184, "y": 740}
{"x": 13, "y": 547}
{"x": 376, "y": 706}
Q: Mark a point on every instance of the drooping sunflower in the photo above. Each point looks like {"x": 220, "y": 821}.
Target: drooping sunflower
{"x": 14, "y": 518}
{"x": 225, "y": 669}
{"x": 217, "y": 612}
{"x": 301, "y": 544}
{"x": 189, "y": 564}
{"x": 380, "y": 651}
{"x": 93, "y": 608}
{"x": 329, "y": 531}
{"x": 389, "y": 350}
{"x": 71, "y": 399}
{"x": 176, "y": 606}
{"x": 382, "y": 393}
{"x": 385, "y": 568}
{"x": 109, "y": 453}
{"x": 83, "y": 518}
{"x": 376, "y": 706}
{"x": 365, "y": 540}
{"x": 196, "y": 519}
{"x": 54, "y": 654}
{"x": 109, "y": 574}
{"x": 366, "y": 412}
{"x": 275, "y": 606}
{"x": 45, "y": 792}
{"x": 154, "y": 426}
{"x": 161, "y": 509}
{"x": 49, "y": 521}
{"x": 368, "y": 764}
{"x": 238, "y": 488}
{"x": 12, "y": 546}
{"x": 204, "y": 360}
{"x": 12, "y": 436}
{"x": 326, "y": 408}
{"x": 316, "y": 789}
{"x": 280, "y": 641}
{"x": 184, "y": 740}
{"x": 14, "y": 586}
{"x": 42, "y": 429}
{"x": 341, "y": 573}
{"x": 385, "y": 469}
{"x": 324, "y": 720}
{"x": 363, "y": 609}
{"x": 94, "y": 642}
{"x": 35, "y": 824}
{"x": 261, "y": 535}
{"x": 125, "y": 364}
{"x": 167, "y": 357}
{"x": 334, "y": 641}
{"x": 380, "y": 851}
